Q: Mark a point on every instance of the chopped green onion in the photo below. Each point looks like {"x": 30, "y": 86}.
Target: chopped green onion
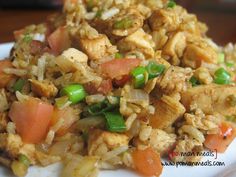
{"x": 19, "y": 168}
{"x": 171, "y": 4}
{"x": 222, "y": 77}
{"x": 99, "y": 13}
{"x": 27, "y": 38}
{"x": 154, "y": 69}
{"x": 221, "y": 57}
{"x": 24, "y": 159}
{"x": 123, "y": 24}
{"x": 194, "y": 81}
{"x": 62, "y": 101}
{"x": 221, "y": 81}
{"x": 100, "y": 108}
{"x": 115, "y": 122}
{"x": 229, "y": 64}
{"x": 90, "y": 5}
{"x": 74, "y": 92}
{"x": 231, "y": 118}
{"x": 18, "y": 86}
{"x": 140, "y": 77}
{"x": 118, "y": 56}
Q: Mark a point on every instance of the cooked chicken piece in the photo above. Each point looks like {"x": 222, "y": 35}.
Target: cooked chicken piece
{"x": 160, "y": 38}
{"x": 138, "y": 41}
{"x": 97, "y": 48}
{"x": 45, "y": 159}
{"x": 156, "y": 138}
{"x": 199, "y": 52}
{"x": 208, "y": 123}
{"x": 184, "y": 146}
{"x": 126, "y": 22}
{"x": 11, "y": 144}
{"x": 164, "y": 18}
{"x": 3, "y": 100}
{"x": 175, "y": 47}
{"x": 108, "y": 140}
{"x": 203, "y": 75}
{"x": 175, "y": 79}
{"x": 3, "y": 121}
{"x": 43, "y": 88}
{"x": 167, "y": 111}
{"x": 70, "y": 58}
{"x": 211, "y": 99}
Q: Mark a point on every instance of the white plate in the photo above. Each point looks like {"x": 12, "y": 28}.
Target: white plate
{"x": 228, "y": 158}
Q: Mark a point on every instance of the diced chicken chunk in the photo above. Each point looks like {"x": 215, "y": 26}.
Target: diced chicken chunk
{"x": 70, "y": 58}
{"x": 175, "y": 47}
{"x": 199, "y": 52}
{"x": 211, "y": 99}
{"x": 97, "y": 48}
{"x": 129, "y": 17}
{"x": 108, "y": 140}
{"x": 43, "y": 88}
{"x": 140, "y": 41}
{"x": 167, "y": 19}
{"x": 168, "y": 110}
{"x": 10, "y": 143}
{"x": 174, "y": 80}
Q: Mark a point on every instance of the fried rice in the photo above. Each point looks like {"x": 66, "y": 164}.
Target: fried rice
{"x": 115, "y": 84}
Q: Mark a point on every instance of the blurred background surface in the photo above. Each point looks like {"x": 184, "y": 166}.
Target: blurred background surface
{"x": 220, "y": 16}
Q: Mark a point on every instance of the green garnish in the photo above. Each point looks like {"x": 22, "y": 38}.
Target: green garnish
{"x": 60, "y": 102}
{"x": 99, "y": 13}
{"x": 154, "y": 69}
{"x": 24, "y": 159}
{"x": 194, "y": 81}
{"x": 18, "y": 86}
{"x": 229, "y": 64}
{"x": 140, "y": 77}
{"x": 115, "y": 122}
{"x": 118, "y": 55}
{"x": 74, "y": 92}
{"x": 101, "y": 107}
{"x": 27, "y": 38}
{"x": 221, "y": 57}
{"x": 123, "y": 24}
{"x": 171, "y": 4}
{"x": 222, "y": 77}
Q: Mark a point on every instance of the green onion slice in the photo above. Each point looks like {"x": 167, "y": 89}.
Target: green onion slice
{"x": 106, "y": 105}
{"x": 194, "y": 81}
{"x": 222, "y": 77}
{"x": 221, "y": 57}
{"x": 18, "y": 86}
{"x": 74, "y": 92}
{"x": 24, "y": 159}
{"x": 140, "y": 77}
{"x": 171, "y": 4}
{"x": 154, "y": 69}
{"x": 115, "y": 122}
{"x": 123, "y": 24}
{"x": 118, "y": 55}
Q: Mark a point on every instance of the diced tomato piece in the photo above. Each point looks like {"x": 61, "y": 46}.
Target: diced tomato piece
{"x": 222, "y": 140}
{"x": 147, "y": 162}
{"x": 59, "y": 40}
{"x": 69, "y": 117}
{"x": 119, "y": 67}
{"x": 121, "y": 82}
{"x": 5, "y": 78}
{"x": 105, "y": 87}
{"x": 32, "y": 118}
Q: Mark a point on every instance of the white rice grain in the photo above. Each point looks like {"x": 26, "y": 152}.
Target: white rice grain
{"x": 110, "y": 13}
{"x": 41, "y": 68}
